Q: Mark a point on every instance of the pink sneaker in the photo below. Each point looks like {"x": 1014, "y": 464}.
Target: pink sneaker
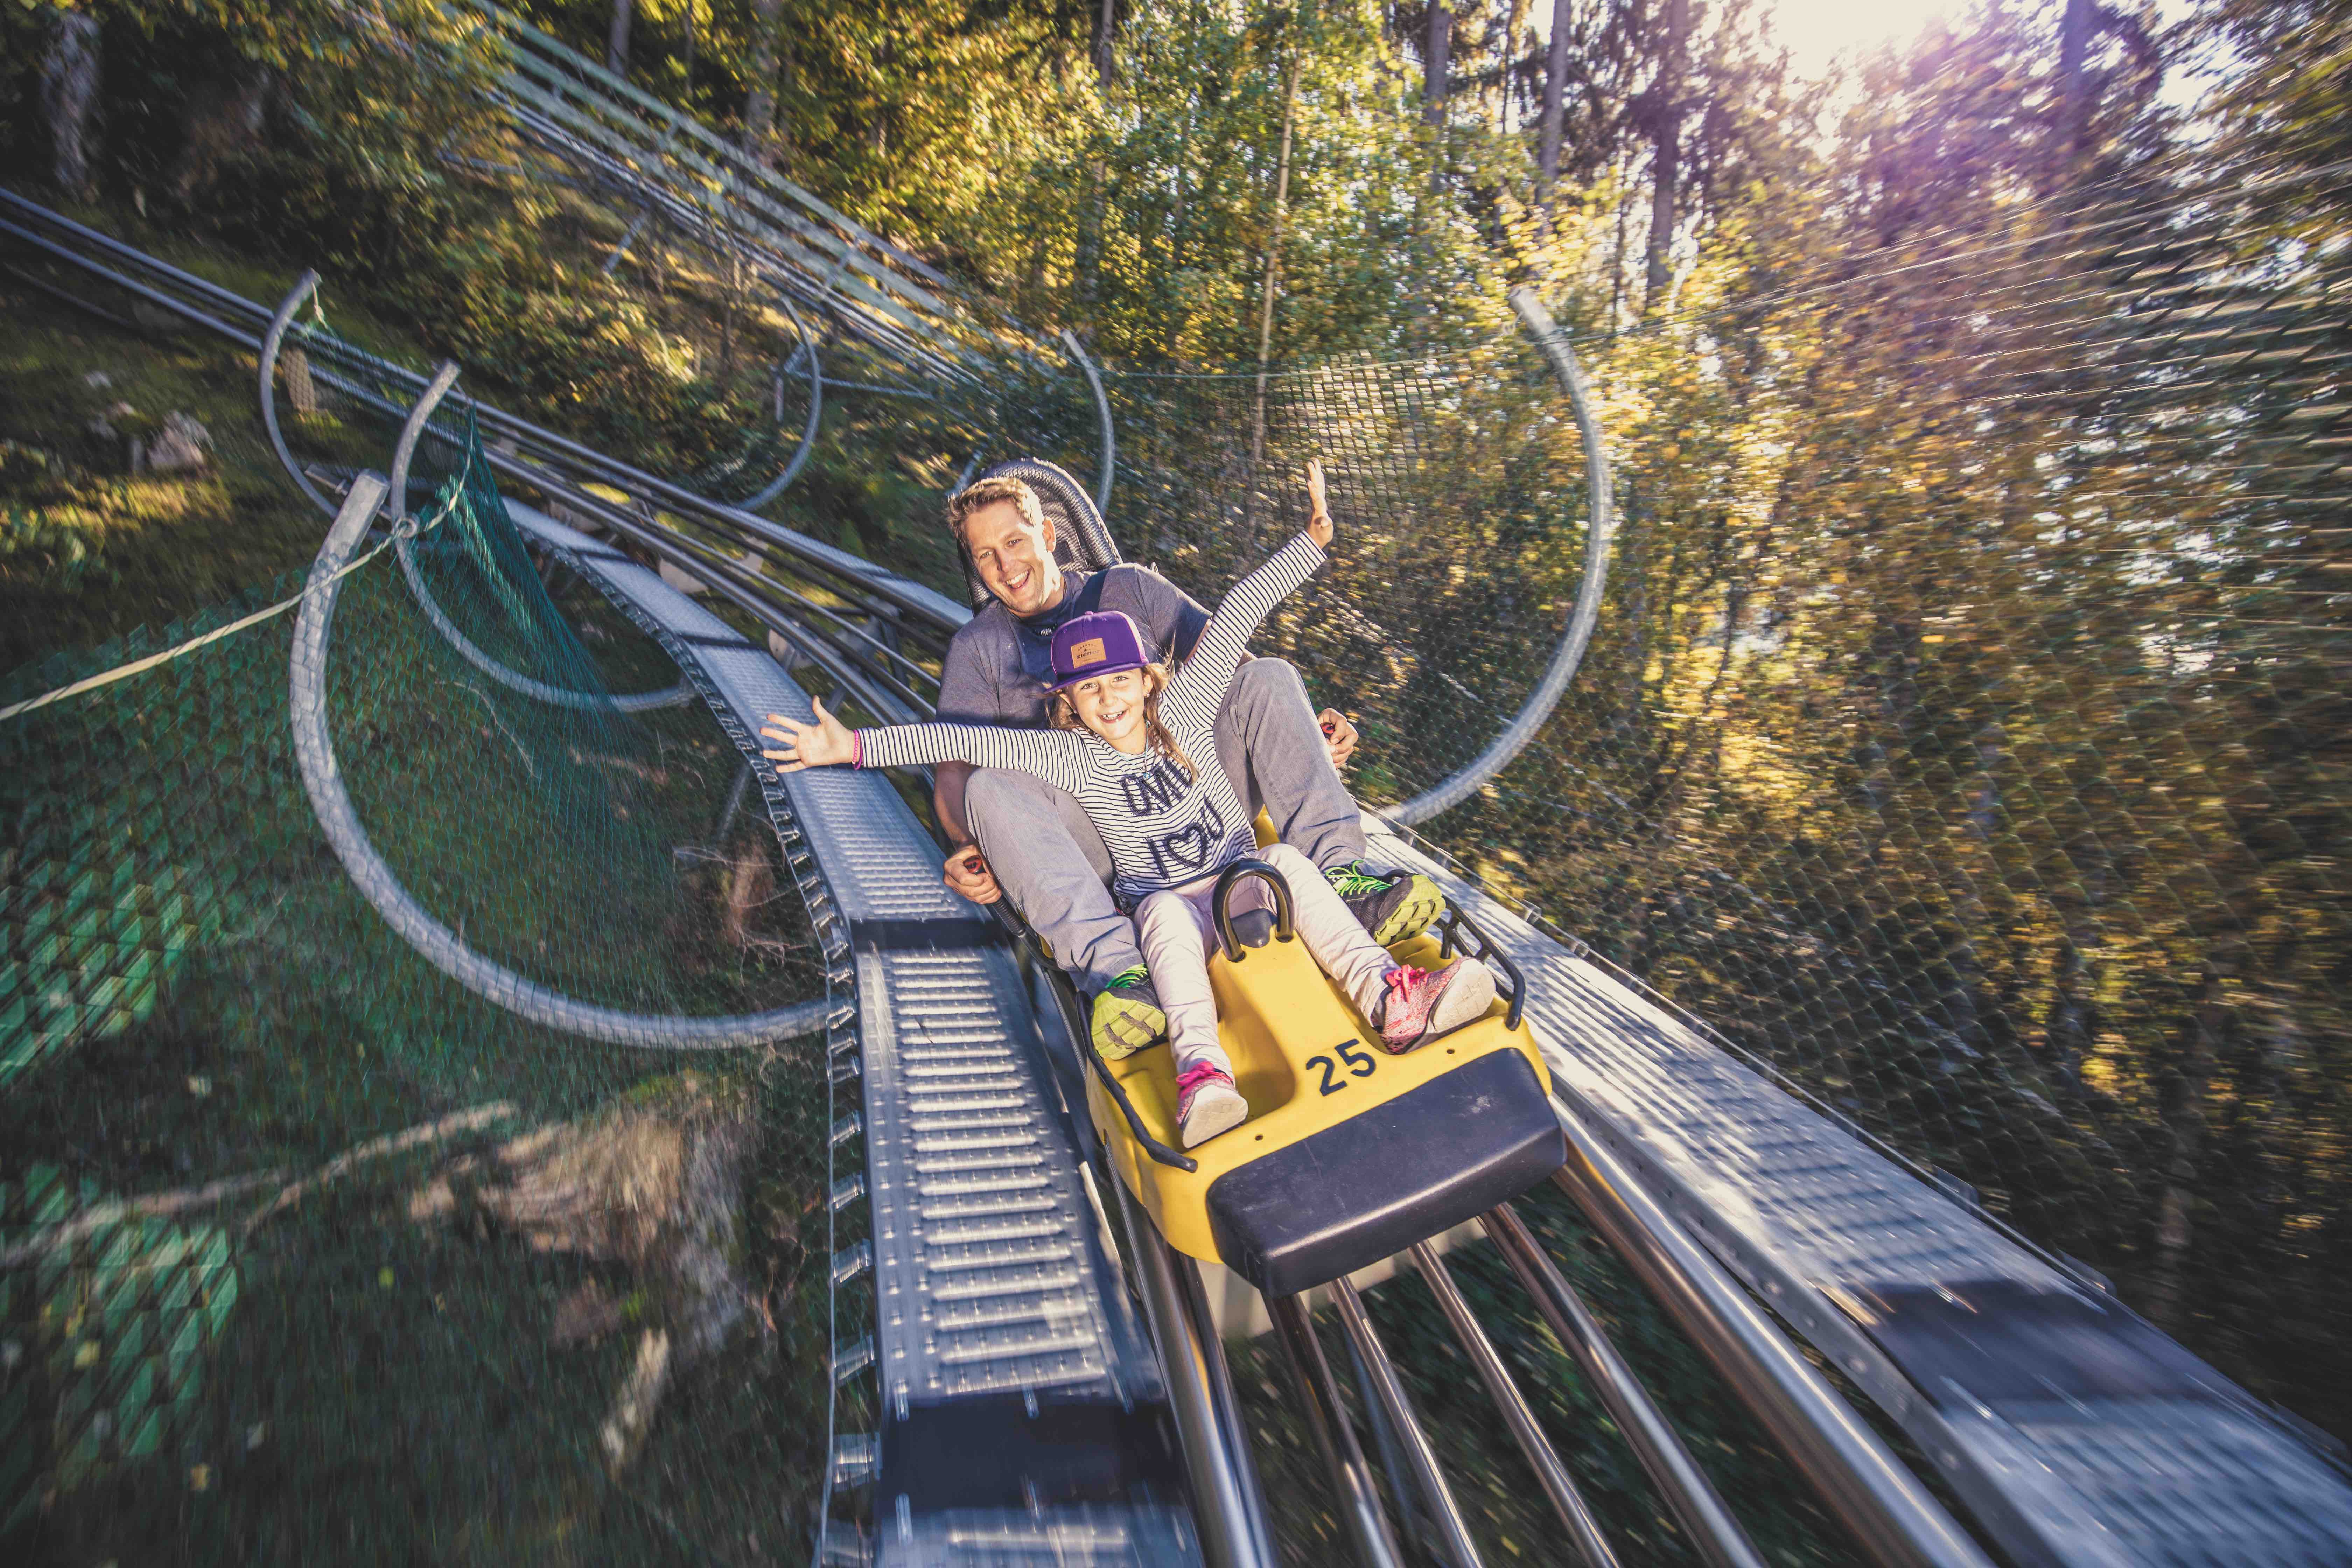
{"x": 1424, "y": 1002}
{"x": 1207, "y": 1103}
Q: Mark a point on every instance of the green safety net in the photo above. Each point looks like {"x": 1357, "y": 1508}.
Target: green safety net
{"x": 308, "y": 1251}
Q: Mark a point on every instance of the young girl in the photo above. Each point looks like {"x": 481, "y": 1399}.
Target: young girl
{"x": 1126, "y": 735}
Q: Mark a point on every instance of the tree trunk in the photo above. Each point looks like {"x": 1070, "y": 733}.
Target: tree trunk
{"x": 1667, "y": 157}
{"x": 759, "y": 108}
{"x": 616, "y": 44}
{"x": 1106, "y": 33}
{"x": 2180, "y": 1098}
{"x": 69, "y": 95}
{"x": 2075, "y": 97}
{"x": 1438, "y": 62}
{"x": 1555, "y": 110}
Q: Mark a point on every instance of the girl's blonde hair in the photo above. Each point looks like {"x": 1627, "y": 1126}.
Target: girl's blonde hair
{"x": 1156, "y": 733}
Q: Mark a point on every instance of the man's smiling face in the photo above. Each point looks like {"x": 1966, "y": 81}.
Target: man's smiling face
{"x": 1013, "y": 558}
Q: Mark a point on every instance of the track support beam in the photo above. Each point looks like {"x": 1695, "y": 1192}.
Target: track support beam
{"x": 1583, "y": 1530}
{"x": 1351, "y": 1476}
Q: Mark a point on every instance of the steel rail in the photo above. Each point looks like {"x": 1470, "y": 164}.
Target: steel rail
{"x": 1892, "y": 1516}
{"x": 1705, "y": 1520}
{"x": 930, "y": 608}
{"x": 1575, "y": 1514}
{"x": 707, "y": 558}
{"x": 894, "y": 703}
{"x": 138, "y": 257}
{"x": 330, "y": 802}
{"x": 561, "y": 129}
{"x": 733, "y": 169}
{"x": 303, "y": 289}
{"x": 1108, "y": 465}
{"x": 404, "y": 549}
{"x": 1228, "y": 1508}
{"x": 710, "y": 560}
{"x": 778, "y": 485}
{"x": 1360, "y": 1512}
{"x": 153, "y": 296}
{"x": 1388, "y": 1391}
{"x": 1600, "y": 527}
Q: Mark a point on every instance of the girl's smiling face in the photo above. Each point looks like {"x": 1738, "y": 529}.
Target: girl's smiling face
{"x": 1112, "y": 706}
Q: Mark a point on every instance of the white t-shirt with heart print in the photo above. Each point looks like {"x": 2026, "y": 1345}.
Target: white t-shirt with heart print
{"x": 1163, "y": 829}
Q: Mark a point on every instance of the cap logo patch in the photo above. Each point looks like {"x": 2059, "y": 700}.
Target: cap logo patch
{"x": 1088, "y": 652}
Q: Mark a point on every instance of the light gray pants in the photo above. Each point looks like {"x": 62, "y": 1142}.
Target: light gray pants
{"x": 1051, "y": 862}
{"x": 1178, "y": 929}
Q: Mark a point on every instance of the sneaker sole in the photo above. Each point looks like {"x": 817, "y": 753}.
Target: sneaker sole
{"x": 1464, "y": 1000}
{"x": 1212, "y": 1116}
{"x": 1422, "y": 904}
{"x": 1468, "y": 992}
{"x": 1126, "y": 1027}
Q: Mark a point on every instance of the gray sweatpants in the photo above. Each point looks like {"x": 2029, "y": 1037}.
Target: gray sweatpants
{"x": 1051, "y": 862}
{"x": 1178, "y": 929}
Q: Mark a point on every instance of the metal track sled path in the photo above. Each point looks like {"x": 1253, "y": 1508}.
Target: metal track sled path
{"x": 1048, "y": 1378}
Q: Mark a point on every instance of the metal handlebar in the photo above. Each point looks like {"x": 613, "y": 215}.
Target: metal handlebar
{"x": 1232, "y": 877}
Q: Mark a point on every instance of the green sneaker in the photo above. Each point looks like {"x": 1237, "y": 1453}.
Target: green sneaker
{"x": 1128, "y": 1016}
{"x": 1393, "y": 905}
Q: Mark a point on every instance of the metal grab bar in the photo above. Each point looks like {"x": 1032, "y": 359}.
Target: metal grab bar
{"x": 1234, "y": 876}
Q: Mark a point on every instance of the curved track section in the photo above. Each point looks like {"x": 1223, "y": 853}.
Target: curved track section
{"x": 2074, "y": 1433}
{"x": 1601, "y": 526}
{"x": 272, "y": 340}
{"x": 314, "y": 753}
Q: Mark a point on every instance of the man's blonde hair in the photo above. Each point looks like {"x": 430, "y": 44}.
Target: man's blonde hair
{"x": 982, "y": 493}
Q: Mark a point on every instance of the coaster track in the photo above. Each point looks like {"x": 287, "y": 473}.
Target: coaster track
{"x": 1005, "y": 1269}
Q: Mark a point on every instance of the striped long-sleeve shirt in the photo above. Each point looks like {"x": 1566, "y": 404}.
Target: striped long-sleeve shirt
{"x": 1161, "y": 828}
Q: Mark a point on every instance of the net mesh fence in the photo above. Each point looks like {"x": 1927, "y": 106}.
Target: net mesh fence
{"x": 1963, "y": 734}
{"x": 306, "y": 1249}
{"x": 1961, "y": 739}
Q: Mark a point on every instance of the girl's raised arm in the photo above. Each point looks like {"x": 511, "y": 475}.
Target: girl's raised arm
{"x": 1199, "y": 687}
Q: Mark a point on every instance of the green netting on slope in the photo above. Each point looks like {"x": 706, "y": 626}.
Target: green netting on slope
{"x": 306, "y": 1251}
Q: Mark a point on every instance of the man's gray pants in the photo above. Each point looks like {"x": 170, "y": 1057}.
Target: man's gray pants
{"x": 1051, "y": 862}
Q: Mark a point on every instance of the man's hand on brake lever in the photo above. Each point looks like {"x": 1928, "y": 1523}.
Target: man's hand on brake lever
{"x": 1338, "y": 735}
{"x": 968, "y": 876}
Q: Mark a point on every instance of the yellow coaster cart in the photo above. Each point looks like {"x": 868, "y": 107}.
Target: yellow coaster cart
{"x": 1349, "y": 1154}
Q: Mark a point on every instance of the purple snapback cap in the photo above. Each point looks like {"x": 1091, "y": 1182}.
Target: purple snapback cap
{"x": 1102, "y": 643}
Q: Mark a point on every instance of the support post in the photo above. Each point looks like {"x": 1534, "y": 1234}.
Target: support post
{"x": 270, "y": 341}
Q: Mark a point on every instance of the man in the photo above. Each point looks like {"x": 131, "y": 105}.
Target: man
{"x": 1034, "y": 842}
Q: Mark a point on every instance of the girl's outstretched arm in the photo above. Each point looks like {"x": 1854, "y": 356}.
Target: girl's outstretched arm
{"x": 1055, "y": 756}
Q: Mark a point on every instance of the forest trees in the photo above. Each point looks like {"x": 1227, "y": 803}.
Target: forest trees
{"x": 1963, "y": 731}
